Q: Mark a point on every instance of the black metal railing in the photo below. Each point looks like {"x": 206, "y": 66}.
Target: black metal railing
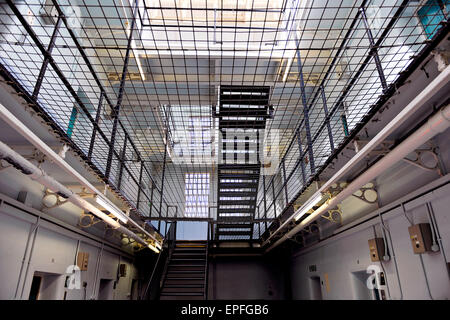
{"x": 153, "y": 286}
{"x": 208, "y": 238}
{"x": 121, "y": 151}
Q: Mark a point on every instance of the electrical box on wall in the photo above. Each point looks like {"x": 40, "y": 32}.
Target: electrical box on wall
{"x": 420, "y": 235}
{"x": 122, "y": 270}
{"x": 82, "y": 260}
{"x": 377, "y": 250}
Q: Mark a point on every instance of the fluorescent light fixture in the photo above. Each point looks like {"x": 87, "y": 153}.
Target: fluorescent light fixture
{"x": 138, "y": 61}
{"x": 133, "y": 43}
{"x": 153, "y": 248}
{"x": 115, "y": 211}
{"x": 288, "y": 67}
{"x": 308, "y": 206}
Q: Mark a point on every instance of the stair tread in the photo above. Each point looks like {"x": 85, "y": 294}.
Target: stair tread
{"x": 233, "y": 233}
{"x": 243, "y": 166}
{"x": 186, "y": 265}
{"x": 199, "y": 248}
{"x": 235, "y": 210}
{"x": 185, "y": 272}
{"x": 185, "y": 278}
{"x": 193, "y": 298}
{"x": 182, "y": 293}
{"x": 244, "y": 124}
{"x": 248, "y": 219}
{"x": 190, "y": 246}
{"x": 183, "y": 290}
{"x": 234, "y": 225}
{"x": 238, "y": 175}
{"x": 238, "y": 185}
{"x": 242, "y": 112}
{"x": 183, "y": 286}
{"x": 188, "y": 254}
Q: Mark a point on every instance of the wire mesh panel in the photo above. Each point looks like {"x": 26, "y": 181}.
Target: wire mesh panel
{"x": 135, "y": 84}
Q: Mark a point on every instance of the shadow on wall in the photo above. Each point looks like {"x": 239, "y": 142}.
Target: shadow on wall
{"x": 315, "y": 287}
{"x": 47, "y": 286}
{"x": 243, "y": 278}
{"x": 105, "y": 290}
{"x": 359, "y": 287}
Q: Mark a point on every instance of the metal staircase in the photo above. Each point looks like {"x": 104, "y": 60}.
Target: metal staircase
{"x": 242, "y": 113}
{"x": 186, "y": 272}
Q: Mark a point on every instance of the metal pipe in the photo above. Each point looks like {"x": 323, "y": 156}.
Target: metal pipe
{"x": 435, "y": 125}
{"x": 140, "y": 186}
{"x": 302, "y": 163}
{"x": 116, "y": 110}
{"x": 434, "y": 226}
{"x": 305, "y": 109}
{"x": 381, "y": 264}
{"x": 411, "y": 222}
{"x": 342, "y": 47}
{"x": 438, "y": 83}
{"x": 34, "y": 228}
{"x": 17, "y": 125}
{"x": 434, "y": 246}
{"x": 374, "y": 50}
{"x": 44, "y": 65}
{"x": 30, "y": 257}
{"x": 94, "y": 129}
{"x": 327, "y": 120}
{"x": 97, "y": 267}
{"x": 393, "y": 256}
{"x": 38, "y": 175}
{"x": 94, "y": 75}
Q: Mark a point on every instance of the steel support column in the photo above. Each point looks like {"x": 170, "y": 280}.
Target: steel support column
{"x": 366, "y": 61}
{"x": 327, "y": 120}
{"x": 305, "y": 108}
{"x": 302, "y": 163}
{"x": 94, "y": 128}
{"x": 89, "y": 66}
{"x": 138, "y": 199}
{"x": 116, "y": 110}
{"x": 50, "y": 47}
{"x": 373, "y": 49}
{"x": 122, "y": 161}
{"x": 342, "y": 47}
{"x": 162, "y": 178}
{"x": 285, "y": 182}
{"x": 273, "y": 196}
{"x": 258, "y": 159}
{"x": 259, "y": 224}
{"x": 264, "y": 199}
{"x": 55, "y": 67}
{"x": 151, "y": 199}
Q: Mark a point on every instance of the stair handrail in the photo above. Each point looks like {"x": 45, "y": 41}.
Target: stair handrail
{"x": 171, "y": 247}
{"x": 205, "y": 285}
{"x": 169, "y": 244}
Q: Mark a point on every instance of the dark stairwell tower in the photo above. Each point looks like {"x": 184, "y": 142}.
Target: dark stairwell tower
{"x": 242, "y": 114}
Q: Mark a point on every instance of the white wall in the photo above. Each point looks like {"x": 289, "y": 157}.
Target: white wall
{"x": 246, "y": 278}
{"x": 348, "y": 252}
{"x": 51, "y": 249}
